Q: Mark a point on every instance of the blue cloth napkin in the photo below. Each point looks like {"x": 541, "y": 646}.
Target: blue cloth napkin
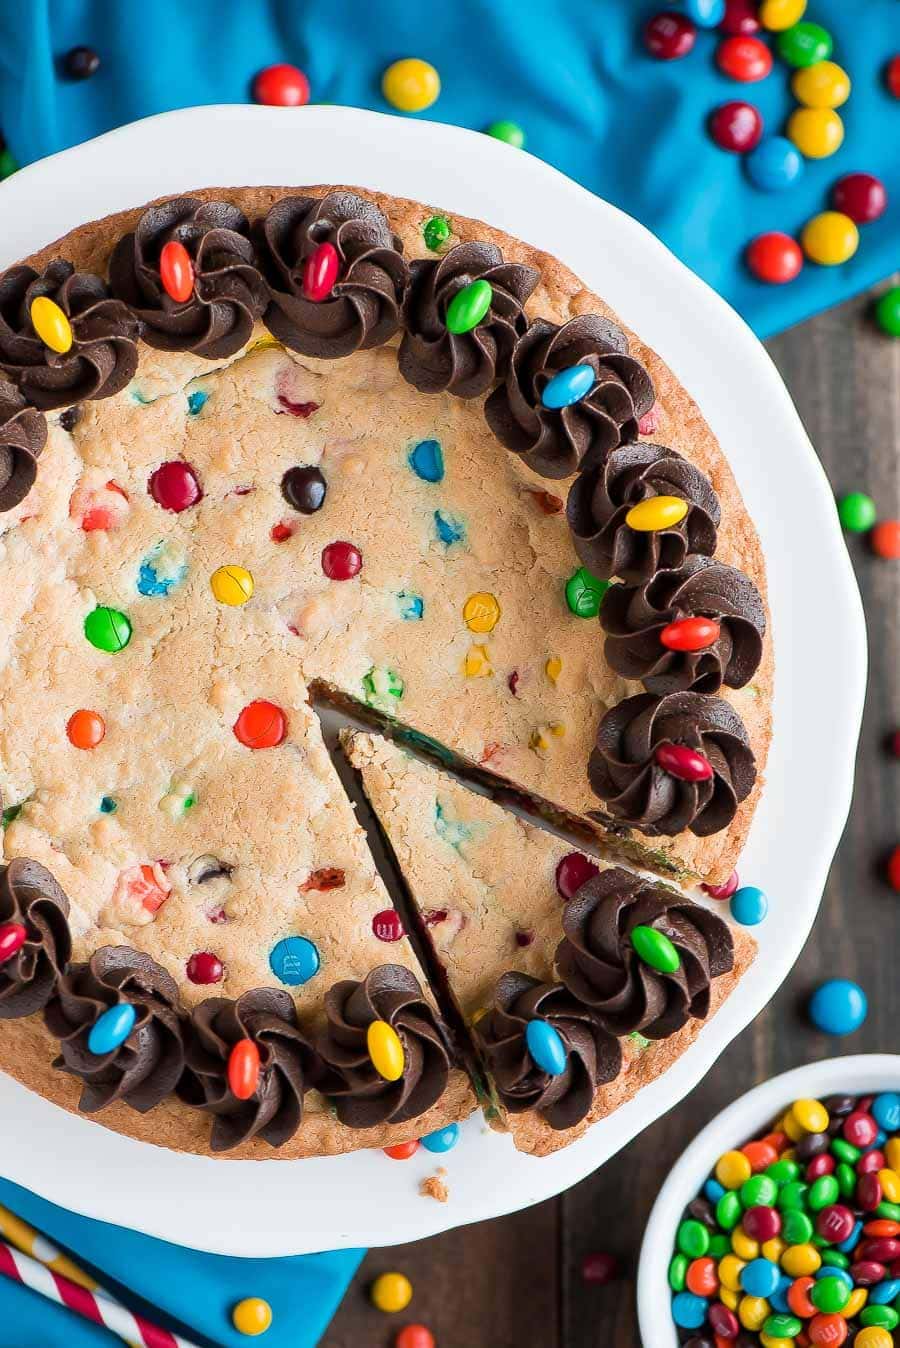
{"x": 592, "y": 102}
{"x": 574, "y": 75}
{"x": 171, "y": 1286}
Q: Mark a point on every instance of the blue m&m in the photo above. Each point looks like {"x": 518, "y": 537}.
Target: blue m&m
{"x": 547, "y": 1050}
{"x": 112, "y": 1028}
{"x": 568, "y": 387}
{"x": 886, "y": 1111}
{"x": 427, "y": 460}
{"x": 705, "y": 13}
{"x": 294, "y": 961}
{"x": 749, "y": 905}
{"x": 689, "y": 1310}
{"x": 774, "y": 165}
{"x": 838, "y": 1006}
{"x": 442, "y": 1139}
{"x": 760, "y": 1278}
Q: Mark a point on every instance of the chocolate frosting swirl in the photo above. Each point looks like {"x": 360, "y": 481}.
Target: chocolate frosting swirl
{"x": 103, "y": 356}
{"x": 362, "y": 1097}
{"x": 147, "y": 1066}
{"x": 633, "y": 616}
{"x": 557, "y": 442}
{"x": 229, "y": 293}
{"x": 289, "y": 1066}
{"x": 30, "y": 897}
{"x": 636, "y": 791}
{"x": 23, "y": 434}
{"x": 363, "y": 307}
{"x": 600, "y": 967}
{"x": 601, "y": 497}
{"x": 593, "y": 1057}
{"x": 435, "y": 360}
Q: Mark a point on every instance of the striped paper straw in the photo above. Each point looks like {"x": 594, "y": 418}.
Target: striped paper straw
{"x": 91, "y": 1305}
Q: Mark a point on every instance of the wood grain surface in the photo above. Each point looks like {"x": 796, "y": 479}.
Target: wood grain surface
{"x": 516, "y": 1282}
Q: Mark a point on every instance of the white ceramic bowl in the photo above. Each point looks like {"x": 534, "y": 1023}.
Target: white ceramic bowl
{"x": 261, "y": 1208}
{"x": 748, "y": 1117}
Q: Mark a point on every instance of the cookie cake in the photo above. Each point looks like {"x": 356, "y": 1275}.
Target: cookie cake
{"x": 267, "y": 450}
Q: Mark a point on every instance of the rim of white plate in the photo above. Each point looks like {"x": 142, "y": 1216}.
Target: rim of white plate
{"x": 735, "y": 1125}
{"x": 288, "y": 1207}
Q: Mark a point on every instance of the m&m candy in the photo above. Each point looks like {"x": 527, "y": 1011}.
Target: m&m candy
{"x": 861, "y": 196}
{"x": 892, "y": 76}
{"x": 402, "y": 1151}
{"x": 411, "y": 85}
{"x": 281, "y": 86}
{"x": 51, "y": 324}
{"x": 885, "y": 539}
{"x": 823, "y": 85}
{"x": 385, "y": 1050}
{"x": 705, "y": 13}
{"x": 176, "y": 271}
{"x": 887, "y": 312}
{"x": 572, "y": 871}
{"x": 669, "y": 36}
{"x": 838, "y": 1006}
{"x": 469, "y": 306}
{"x": 442, "y": 1139}
{"x": 436, "y": 232}
{"x": 680, "y": 761}
{"x": 252, "y": 1316}
{"x": 320, "y": 271}
{"x": 816, "y": 132}
{"x": 545, "y": 1047}
{"x": 507, "y": 131}
{"x": 745, "y": 59}
{"x": 294, "y": 961}
{"x": 391, "y": 1292}
{"x": 205, "y": 967}
{"x": 481, "y": 612}
{"x": 774, "y": 165}
{"x": 341, "y": 561}
{"x": 12, "y": 937}
{"x": 260, "y": 725}
{"x": 654, "y": 948}
{"x": 775, "y": 258}
{"x": 722, "y": 891}
{"x": 599, "y": 1267}
{"x": 386, "y": 925}
{"x": 243, "y": 1069}
{"x": 80, "y": 63}
{"x": 304, "y": 488}
{"x": 107, "y": 629}
{"x": 690, "y": 634}
{"x": 856, "y": 512}
{"x": 656, "y": 513}
{"x": 174, "y": 486}
{"x": 736, "y": 126}
{"x": 804, "y": 44}
{"x": 111, "y": 1028}
{"x": 741, "y": 18}
{"x": 749, "y": 905}
{"x": 414, "y": 1336}
{"x": 777, "y": 15}
{"x": 584, "y": 593}
{"x": 231, "y": 585}
{"x": 568, "y": 386}
{"x": 830, "y": 238}
{"x": 85, "y": 729}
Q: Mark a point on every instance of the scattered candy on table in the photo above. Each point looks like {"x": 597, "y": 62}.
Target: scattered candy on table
{"x": 749, "y": 905}
{"x": 414, "y": 1336}
{"x": 668, "y": 37}
{"x": 794, "y": 1236}
{"x": 775, "y": 258}
{"x": 600, "y": 1268}
{"x": 80, "y": 63}
{"x": 885, "y": 539}
{"x": 830, "y": 238}
{"x": 861, "y": 196}
{"x": 776, "y": 15}
{"x": 816, "y": 132}
{"x": 887, "y": 312}
{"x": 745, "y": 59}
{"x": 391, "y": 1292}
{"x": 892, "y": 76}
{"x": 442, "y": 1139}
{"x": 774, "y": 165}
{"x": 805, "y": 44}
{"x": 823, "y": 85}
{"x": 857, "y": 512}
{"x": 281, "y": 86}
{"x": 252, "y": 1316}
{"x": 736, "y": 126}
{"x": 510, "y": 132}
{"x": 411, "y": 85}
{"x": 838, "y": 1006}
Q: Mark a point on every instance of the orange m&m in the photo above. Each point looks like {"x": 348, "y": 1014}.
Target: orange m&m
{"x": 885, "y": 539}
{"x": 402, "y": 1151}
{"x": 690, "y": 634}
{"x": 85, "y": 729}
{"x": 261, "y": 725}
{"x": 176, "y": 271}
{"x": 243, "y": 1069}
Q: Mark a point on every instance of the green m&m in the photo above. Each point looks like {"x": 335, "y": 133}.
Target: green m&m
{"x": 584, "y": 593}
{"x": 436, "y": 232}
{"x": 692, "y": 1238}
{"x": 856, "y": 512}
{"x": 804, "y": 44}
{"x": 887, "y": 312}
{"x": 829, "y": 1294}
{"x": 469, "y": 306}
{"x": 108, "y": 629}
{"x": 759, "y": 1191}
{"x": 509, "y": 131}
{"x": 796, "y": 1227}
{"x": 678, "y": 1272}
{"x": 823, "y": 1192}
{"x": 655, "y": 949}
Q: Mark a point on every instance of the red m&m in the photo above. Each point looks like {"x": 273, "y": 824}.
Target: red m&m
{"x": 861, "y": 196}
{"x": 741, "y": 18}
{"x": 736, "y": 126}
{"x": 341, "y": 561}
{"x": 205, "y": 967}
{"x": 680, "y": 761}
{"x": 690, "y": 634}
{"x": 723, "y": 891}
{"x": 669, "y": 36}
{"x": 12, "y": 938}
{"x": 745, "y": 59}
{"x": 261, "y": 725}
{"x": 243, "y": 1069}
{"x": 387, "y": 926}
{"x": 892, "y": 76}
{"x": 573, "y": 870}
{"x": 281, "y": 86}
{"x": 775, "y": 257}
{"x": 176, "y": 271}
{"x": 174, "y": 486}
{"x": 320, "y": 272}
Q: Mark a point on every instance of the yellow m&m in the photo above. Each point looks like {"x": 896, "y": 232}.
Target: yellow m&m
{"x": 391, "y": 1292}
{"x": 51, "y": 324}
{"x": 744, "y": 1246}
{"x": 892, "y": 1152}
{"x": 252, "y": 1316}
{"x": 733, "y": 1169}
{"x": 858, "y": 1298}
{"x": 811, "y": 1116}
{"x": 816, "y": 132}
{"x": 231, "y": 585}
{"x": 385, "y": 1050}
{"x": 830, "y": 238}
{"x": 823, "y": 85}
{"x": 481, "y": 612}
{"x": 477, "y": 664}
{"x": 776, "y": 15}
{"x": 411, "y": 85}
{"x": 801, "y": 1261}
{"x": 657, "y": 512}
{"x": 753, "y": 1312}
{"x": 729, "y": 1271}
{"x": 890, "y": 1183}
{"x": 873, "y": 1336}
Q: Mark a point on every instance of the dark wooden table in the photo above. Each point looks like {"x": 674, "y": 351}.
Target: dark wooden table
{"x": 515, "y": 1282}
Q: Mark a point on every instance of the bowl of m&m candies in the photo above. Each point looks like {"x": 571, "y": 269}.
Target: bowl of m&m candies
{"x": 780, "y": 1224}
